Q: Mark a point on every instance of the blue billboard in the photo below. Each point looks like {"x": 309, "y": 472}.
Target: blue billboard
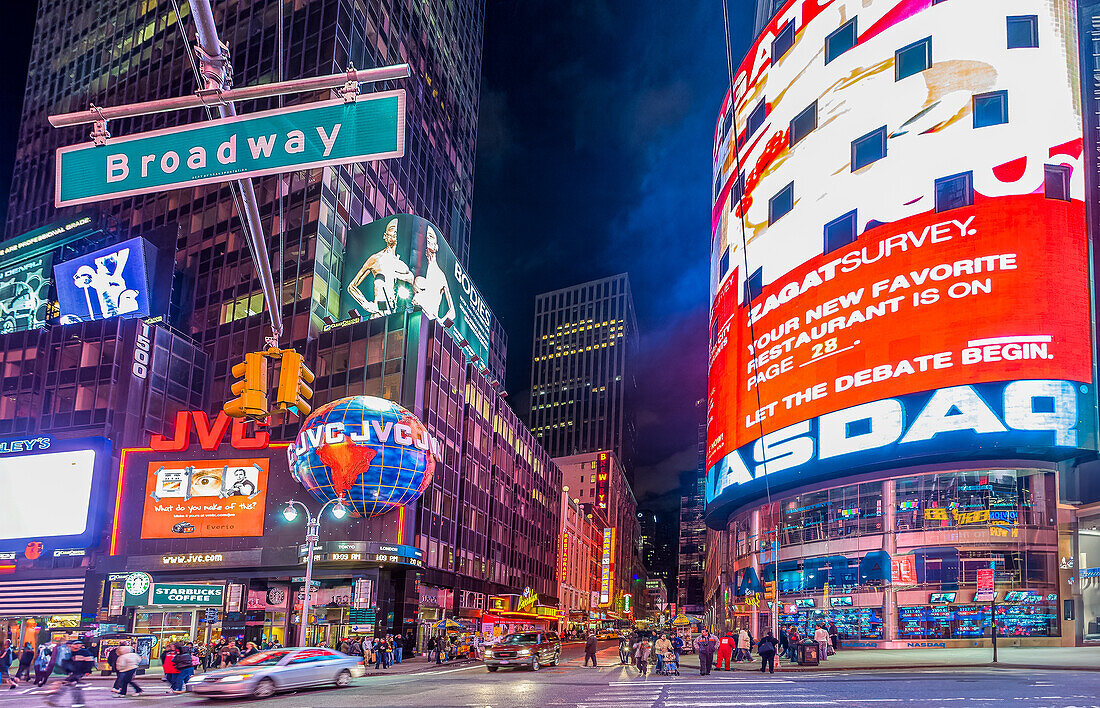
{"x": 110, "y": 282}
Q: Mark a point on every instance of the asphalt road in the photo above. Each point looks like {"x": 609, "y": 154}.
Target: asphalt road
{"x": 611, "y": 685}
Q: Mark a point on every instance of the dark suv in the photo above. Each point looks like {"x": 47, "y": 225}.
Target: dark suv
{"x": 531, "y": 649}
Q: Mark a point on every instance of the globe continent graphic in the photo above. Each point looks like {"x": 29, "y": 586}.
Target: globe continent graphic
{"x": 373, "y": 476}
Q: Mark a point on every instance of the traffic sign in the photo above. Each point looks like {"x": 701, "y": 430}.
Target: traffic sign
{"x": 985, "y": 580}
{"x": 281, "y": 140}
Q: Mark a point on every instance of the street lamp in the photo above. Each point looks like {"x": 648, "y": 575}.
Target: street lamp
{"x": 313, "y": 524}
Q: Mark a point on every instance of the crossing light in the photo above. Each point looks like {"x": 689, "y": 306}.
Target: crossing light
{"x": 250, "y": 389}
{"x": 769, "y": 590}
{"x": 294, "y": 384}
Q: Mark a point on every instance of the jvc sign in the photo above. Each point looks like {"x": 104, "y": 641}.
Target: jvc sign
{"x": 283, "y": 140}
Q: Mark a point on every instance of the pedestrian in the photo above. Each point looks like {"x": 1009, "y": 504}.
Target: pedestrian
{"x": 677, "y": 646}
{"x": 834, "y": 636}
{"x": 661, "y": 647}
{"x": 5, "y": 665}
{"x": 379, "y": 648}
{"x": 249, "y": 649}
{"x": 344, "y": 646}
{"x": 821, "y": 636}
{"x": 26, "y": 658}
{"x": 43, "y": 664}
{"x": 168, "y": 662}
{"x": 744, "y": 646}
{"x": 112, "y": 658}
{"x": 80, "y": 661}
{"x": 766, "y": 649}
{"x": 185, "y": 666}
{"x": 126, "y": 664}
{"x": 784, "y": 641}
{"x": 590, "y": 649}
{"x": 475, "y": 646}
{"x": 705, "y": 646}
{"x": 725, "y": 651}
{"x": 431, "y": 647}
{"x": 794, "y": 640}
{"x": 641, "y": 657}
{"x": 234, "y": 653}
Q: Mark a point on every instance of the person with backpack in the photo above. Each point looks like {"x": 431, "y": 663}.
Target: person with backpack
{"x": 184, "y": 662}
{"x": 43, "y": 664}
{"x": 766, "y": 649}
{"x": 794, "y": 639}
{"x": 26, "y": 658}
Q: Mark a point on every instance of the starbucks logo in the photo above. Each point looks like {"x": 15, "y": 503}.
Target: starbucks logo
{"x": 276, "y": 596}
{"x": 138, "y": 583}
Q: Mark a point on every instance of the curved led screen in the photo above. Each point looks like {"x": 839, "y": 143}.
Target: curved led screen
{"x": 899, "y": 263}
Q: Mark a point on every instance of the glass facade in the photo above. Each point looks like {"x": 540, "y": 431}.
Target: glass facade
{"x": 898, "y": 559}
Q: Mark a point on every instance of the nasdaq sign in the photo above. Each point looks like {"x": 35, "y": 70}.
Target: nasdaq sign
{"x": 281, "y": 140}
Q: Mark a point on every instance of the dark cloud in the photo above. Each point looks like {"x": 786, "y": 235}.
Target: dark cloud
{"x": 594, "y": 157}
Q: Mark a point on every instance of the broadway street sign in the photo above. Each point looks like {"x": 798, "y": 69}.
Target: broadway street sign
{"x": 282, "y": 140}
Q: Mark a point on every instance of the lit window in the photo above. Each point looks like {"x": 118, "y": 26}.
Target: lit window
{"x": 804, "y": 124}
{"x": 1023, "y": 31}
{"x": 912, "y": 59}
{"x": 990, "y": 109}
{"x": 783, "y": 41}
{"x": 840, "y": 232}
{"x": 1056, "y": 182}
{"x": 781, "y": 203}
{"x": 869, "y": 148}
{"x": 955, "y": 191}
{"x": 841, "y": 40}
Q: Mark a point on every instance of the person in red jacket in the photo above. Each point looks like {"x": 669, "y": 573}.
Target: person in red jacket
{"x": 170, "y": 670}
{"x": 725, "y": 650}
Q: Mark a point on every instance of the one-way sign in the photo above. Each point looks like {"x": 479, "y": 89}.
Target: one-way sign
{"x": 283, "y": 140}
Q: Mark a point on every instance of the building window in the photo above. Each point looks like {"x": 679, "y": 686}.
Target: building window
{"x": 804, "y": 124}
{"x": 1023, "y": 31}
{"x": 912, "y": 59}
{"x": 724, "y": 263}
{"x": 756, "y": 118}
{"x": 841, "y": 40}
{"x": 1056, "y": 182}
{"x": 781, "y": 203}
{"x": 869, "y": 148}
{"x": 783, "y": 41}
{"x": 990, "y": 109}
{"x": 955, "y": 191}
{"x": 754, "y": 285}
{"x": 840, "y": 232}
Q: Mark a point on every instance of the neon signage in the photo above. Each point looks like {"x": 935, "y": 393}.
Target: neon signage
{"x": 210, "y": 436}
{"x": 603, "y": 475}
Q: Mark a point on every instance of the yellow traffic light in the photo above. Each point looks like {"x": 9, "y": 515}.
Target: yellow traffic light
{"x": 250, "y": 389}
{"x": 769, "y": 590}
{"x": 294, "y": 390}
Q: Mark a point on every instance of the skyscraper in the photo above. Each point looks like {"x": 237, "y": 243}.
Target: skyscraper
{"x": 693, "y": 534}
{"x": 582, "y": 376}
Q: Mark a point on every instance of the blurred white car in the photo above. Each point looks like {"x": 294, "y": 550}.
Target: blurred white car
{"x": 268, "y": 672}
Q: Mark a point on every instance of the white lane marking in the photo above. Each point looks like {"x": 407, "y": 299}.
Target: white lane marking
{"x": 432, "y": 673}
{"x": 679, "y": 683}
{"x": 773, "y": 702}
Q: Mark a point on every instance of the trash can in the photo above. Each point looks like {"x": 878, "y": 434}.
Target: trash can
{"x": 808, "y": 654}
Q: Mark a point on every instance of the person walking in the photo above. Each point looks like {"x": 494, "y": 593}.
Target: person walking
{"x": 641, "y": 657}
{"x": 26, "y": 658}
{"x": 744, "y": 646}
{"x": 834, "y": 636}
{"x": 725, "y": 651}
{"x": 705, "y": 646}
{"x": 250, "y": 648}
{"x": 661, "y": 647}
{"x": 43, "y": 664}
{"x": 168, "y": 662}
{"x": 185, "y": 666}
{"x": 766, "y": 649}
{"x": 590, "y": 649}
{"x": 126, "y": 663}
{"x": 821, "y": 636}
{"x": 6, "y": 658}
{"x": 677, "y": 646}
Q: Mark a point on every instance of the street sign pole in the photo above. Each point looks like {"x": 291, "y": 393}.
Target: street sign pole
{"x": 215, "y": 73}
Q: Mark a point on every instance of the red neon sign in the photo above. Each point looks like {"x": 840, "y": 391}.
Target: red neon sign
{"x": 210, "y": 437}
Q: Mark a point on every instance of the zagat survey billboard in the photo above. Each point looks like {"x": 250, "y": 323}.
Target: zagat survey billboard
{"x": 915, "y": 287}
{"x": 402, "y": 264}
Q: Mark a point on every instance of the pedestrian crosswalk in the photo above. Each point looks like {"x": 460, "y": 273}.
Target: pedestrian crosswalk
{"x": 690, "y": 692}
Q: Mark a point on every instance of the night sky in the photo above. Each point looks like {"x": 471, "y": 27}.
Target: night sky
{"x": 594, "y": 157}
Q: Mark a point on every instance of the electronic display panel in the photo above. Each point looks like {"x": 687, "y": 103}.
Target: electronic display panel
{"x": 205, "y": 498}
{"x": 50, "y": 491}
{"x": 887, "y": 236}
{"x": 110, "y": 282}
{"x": 403, "y": 264}
{"x": 24, "y": 294}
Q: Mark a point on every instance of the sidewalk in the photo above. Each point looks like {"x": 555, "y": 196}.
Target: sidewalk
{"x": 1071, "y": 658}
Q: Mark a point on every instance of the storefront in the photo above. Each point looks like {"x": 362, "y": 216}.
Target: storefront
{"x": 1086, "y": 575}
{"x": 32, "y": 609}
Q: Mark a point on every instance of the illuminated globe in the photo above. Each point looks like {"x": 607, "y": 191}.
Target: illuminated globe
{"x": 371, "y": 453}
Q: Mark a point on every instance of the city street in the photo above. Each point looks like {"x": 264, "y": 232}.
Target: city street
{"x": 610, "y": 685}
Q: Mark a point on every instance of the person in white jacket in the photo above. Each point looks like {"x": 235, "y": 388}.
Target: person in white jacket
{"x": 127, "y": 664}
{"x": 821, "y": 636}
{"x": 744, "y": 646}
